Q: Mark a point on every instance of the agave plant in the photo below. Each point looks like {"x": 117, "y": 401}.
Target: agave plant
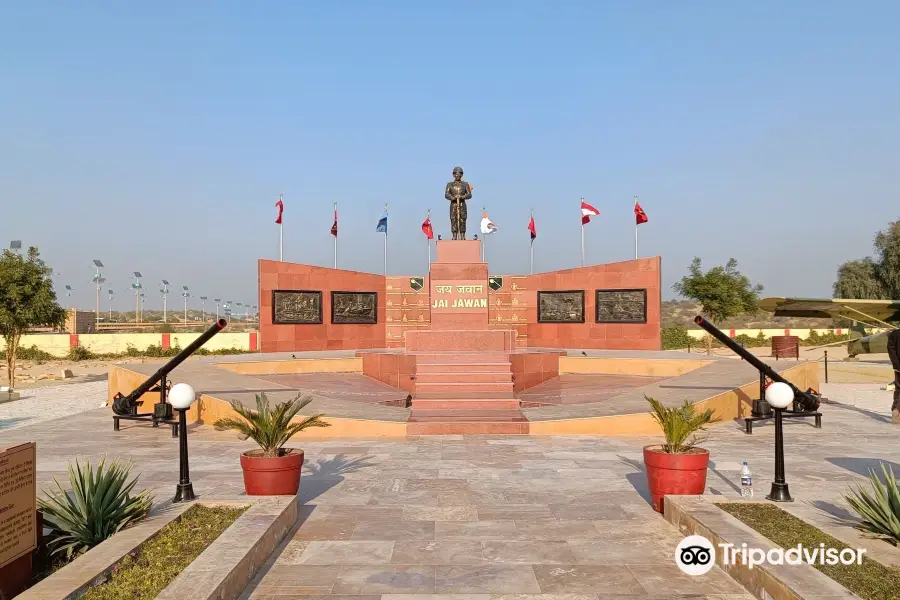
{"x": 879, "y": 509}
{"x": 99, "y": 505}
{"x": 679, "y": 424}
{"x": 271, "y": 428}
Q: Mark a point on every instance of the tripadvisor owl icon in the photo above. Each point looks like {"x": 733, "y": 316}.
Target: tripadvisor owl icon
{"x": 695, "y": 555}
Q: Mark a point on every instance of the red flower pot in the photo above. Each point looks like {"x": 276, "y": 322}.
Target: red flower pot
{"x": 675, "y": 474}
{"x": 279, "y": 476}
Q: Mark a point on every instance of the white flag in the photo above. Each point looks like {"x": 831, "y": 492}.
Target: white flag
{"x": 487, "y": 226}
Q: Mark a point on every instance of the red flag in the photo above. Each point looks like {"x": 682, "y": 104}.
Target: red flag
{"x": 587, "y": 211}
{"x": 427, "y": 229}
{"x": 280, "y": 206}
{"x": 639, "y": 215}
{"x": 334, "y": 227}
{"x": 532, "y": 229}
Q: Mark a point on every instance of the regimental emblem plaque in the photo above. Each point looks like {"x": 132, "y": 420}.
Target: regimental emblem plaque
{"x": 360, "y": 308}
{"x": 495, "y": 283}
{"x": 561, "y": 307}
{"x": 296, "y": 307}
{"x": 416, "y": 283}
{"x": 622, "y": 306}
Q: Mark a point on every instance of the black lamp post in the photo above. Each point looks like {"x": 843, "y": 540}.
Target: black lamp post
{"x": 181, "y": 397}
{"x": 779, "y": 396}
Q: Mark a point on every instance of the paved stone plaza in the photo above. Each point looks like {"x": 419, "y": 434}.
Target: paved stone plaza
{"x": 490, "y": 517}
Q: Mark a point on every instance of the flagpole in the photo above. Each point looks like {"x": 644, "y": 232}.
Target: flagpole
{"x": 635, "y": 229}
{"x": 281, "y": 231}
{"x": 531, "y": 269}
{"x": 582, "y": 235}
{"x": 335, "y": 237}
{"x": 385, "y": 243}
{"x": 428, "y": 240}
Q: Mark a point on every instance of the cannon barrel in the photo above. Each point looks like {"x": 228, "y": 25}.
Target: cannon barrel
{"x": 122, "y": 404}
{"x": 807, "y": 401}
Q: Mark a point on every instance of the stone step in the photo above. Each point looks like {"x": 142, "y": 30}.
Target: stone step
{"x": 457, "y": 388}
{"x": 463, "y": 367}
{"x": 478, "y": 414}
{"x": 442, "y": 392}
{"x": 460, "y": 357}
{"x": 456, "y": 427}
{"x": 463, "y": 377}
{"x": 465, "y": 404}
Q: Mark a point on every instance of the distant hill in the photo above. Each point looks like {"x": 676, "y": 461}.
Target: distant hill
{"x": 682, "y": 312}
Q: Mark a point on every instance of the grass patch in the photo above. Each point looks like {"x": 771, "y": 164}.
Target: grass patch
{"x": 871, "y": 580}
{"x": 162, "y": 558}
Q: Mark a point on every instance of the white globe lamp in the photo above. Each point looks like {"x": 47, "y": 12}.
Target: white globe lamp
{"x": 778, "y": 395}
{"x": 181, "y": 397}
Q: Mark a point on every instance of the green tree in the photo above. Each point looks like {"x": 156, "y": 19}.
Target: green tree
{"x": 27, "y": 300}
{"x": 859, "y": 279}
{"x": 722, "y": 292}
{"x": 887, "y": 268}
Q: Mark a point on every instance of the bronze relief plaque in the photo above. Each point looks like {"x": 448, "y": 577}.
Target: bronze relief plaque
{"x": 621, "y": 306}
{"x": 561, "y": 307}
{"x": 296, "y": 307}
{"x": 354, "y": 307}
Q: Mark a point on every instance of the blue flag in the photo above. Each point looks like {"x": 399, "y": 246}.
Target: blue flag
{"x": 382, "y": 223}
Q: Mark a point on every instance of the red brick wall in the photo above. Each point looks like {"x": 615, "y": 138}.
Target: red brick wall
{"x": 276, "y": 275}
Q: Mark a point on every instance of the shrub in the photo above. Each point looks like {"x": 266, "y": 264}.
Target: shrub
{"x": 879, "y": 509}
{"x": 77, "y": 353}
{"x": 30, "y": 353}
{"x": 678, "y": 424}
{"x": 815, "y": 339}
{"x": 675, "y": 338}
{"x": 270, "y": 428}
{"x": 99, "y": 505}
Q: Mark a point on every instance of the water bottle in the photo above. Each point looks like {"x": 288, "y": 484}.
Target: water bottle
{"x": 746, "y": 482}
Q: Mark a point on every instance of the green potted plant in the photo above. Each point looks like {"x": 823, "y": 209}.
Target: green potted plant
{"x": 677, "y": 467}
{"x": 271, "y": 470}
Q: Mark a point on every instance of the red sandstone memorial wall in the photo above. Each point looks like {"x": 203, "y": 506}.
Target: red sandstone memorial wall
{"x": 633, "y": 274}
{"x": 276, "y": 275}
{"x": 401, "y": 308}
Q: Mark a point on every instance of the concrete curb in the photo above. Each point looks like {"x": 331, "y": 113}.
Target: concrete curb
{"x": 221, "y": 571}
{"x": 94, "y": 566}
{"x": 227, "y": 566}
{"x": 699, "y": 515}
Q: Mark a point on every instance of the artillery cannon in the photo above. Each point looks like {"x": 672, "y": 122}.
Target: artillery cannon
{"x": 806, "y": 404}
{"x": 126, "y": 406}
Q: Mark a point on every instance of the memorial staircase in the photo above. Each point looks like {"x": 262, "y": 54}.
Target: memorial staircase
{"x": 465, "y": 393}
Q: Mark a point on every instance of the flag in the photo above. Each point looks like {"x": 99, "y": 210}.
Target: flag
{"x": 334, "y": 226}
{"x": 280, "y": 206}
{"x": 532, "y": 228}
{"x": 639, "y": 215}
{"x": 487, "y": 226}
{"x": 587, "y": 211}
{"x": 426, "y": 227}
{"x": 382, "y": 222}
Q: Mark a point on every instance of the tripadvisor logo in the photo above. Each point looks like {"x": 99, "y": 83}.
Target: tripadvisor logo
{"x": 696, "y": 555}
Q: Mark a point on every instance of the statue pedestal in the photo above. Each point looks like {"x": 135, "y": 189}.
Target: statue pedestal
{"x": 458, "y": 251}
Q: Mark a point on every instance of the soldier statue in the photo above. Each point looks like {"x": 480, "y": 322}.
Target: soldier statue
{"x": 457, "y": 192}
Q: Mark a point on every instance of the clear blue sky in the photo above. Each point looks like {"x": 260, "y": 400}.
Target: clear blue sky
{"x": 157, "y": 136}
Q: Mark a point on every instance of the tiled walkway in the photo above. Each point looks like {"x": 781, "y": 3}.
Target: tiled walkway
{"x": 492, "y": 518}
{"x": 483, "y": 516}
